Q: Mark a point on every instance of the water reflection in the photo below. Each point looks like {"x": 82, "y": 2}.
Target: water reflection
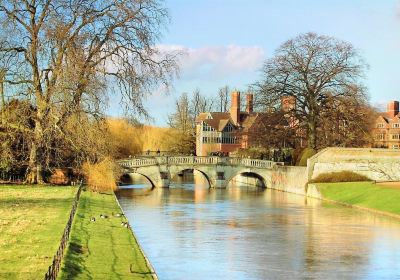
{"x": 191, "y": 231}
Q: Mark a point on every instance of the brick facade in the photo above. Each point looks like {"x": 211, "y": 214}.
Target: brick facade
{"x": 386, "y": 131}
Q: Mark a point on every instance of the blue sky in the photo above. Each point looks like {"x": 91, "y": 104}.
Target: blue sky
{"x": 226, "y": 41}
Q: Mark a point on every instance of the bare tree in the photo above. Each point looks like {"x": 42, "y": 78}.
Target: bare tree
{"x": 182, "y": 120}
{"x": 346, "y": 123}
{"x": 223, "y": 96}
{"x": 65, "y": 53}
{"x": 272, "y": 130}
{"x": 183, "y": 140}
{"x": 313, "y": 69}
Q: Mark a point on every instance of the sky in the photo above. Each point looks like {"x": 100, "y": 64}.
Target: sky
{"x": 226, "y": 42}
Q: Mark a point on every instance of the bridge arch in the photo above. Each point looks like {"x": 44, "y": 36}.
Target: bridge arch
{"x": 175, "y": 173}
{"x": 249, "y": 173}
{"x": 129, "y": 174}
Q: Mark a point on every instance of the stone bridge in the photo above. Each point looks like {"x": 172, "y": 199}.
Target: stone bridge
{"x": 218, "y": 171}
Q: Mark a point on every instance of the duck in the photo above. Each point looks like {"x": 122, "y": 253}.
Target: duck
{"x": 103, "y": 216}
{"x": 92, "y": 219}
{"x": 125, "y": 224}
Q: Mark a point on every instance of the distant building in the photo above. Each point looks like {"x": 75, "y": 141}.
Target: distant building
{"x": 226, "y": 132}
{"x": 386, "y": 132}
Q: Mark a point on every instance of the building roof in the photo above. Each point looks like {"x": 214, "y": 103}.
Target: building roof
{"x": 387, "y": 117}
{"x": 219, "y": 120}
{"x": 249, "y": 121}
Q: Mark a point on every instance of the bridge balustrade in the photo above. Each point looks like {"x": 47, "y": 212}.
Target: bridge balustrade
{"x": 182, "y": 160}
{"x": 136, "y": 162}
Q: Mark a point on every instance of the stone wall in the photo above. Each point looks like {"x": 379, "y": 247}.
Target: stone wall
{"x": 291, "y": 179}
{"x": 376, "y": 164}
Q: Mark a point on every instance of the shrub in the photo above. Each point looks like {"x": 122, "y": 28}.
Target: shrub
{"x": 305, "y": 154}
{"x": 342, "y": 176}
{"x": 101, "y": 176}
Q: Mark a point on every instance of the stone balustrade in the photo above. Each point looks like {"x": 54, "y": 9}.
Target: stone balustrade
{"x": 192, "y": 160}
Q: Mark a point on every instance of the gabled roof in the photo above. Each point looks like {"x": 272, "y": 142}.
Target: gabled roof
{"x": 213, "y": 123}
{"x": 383, "y": 117}
{"x": 219, "y": 120}
{"x": 388, "y": 118}
{"x": 223, "y": 123}
{"x": 249, "y": 121}
{"x": 202, "y": 116}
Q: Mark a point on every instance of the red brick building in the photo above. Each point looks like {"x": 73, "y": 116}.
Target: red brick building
{"x": 226, "y": 132}
{"x": 386, "y": 131}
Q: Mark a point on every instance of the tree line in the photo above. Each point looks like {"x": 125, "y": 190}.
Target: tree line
{"x": 61, "y": 61}
{"x": 67, "y": 58}
{"x": 323, "y": 80}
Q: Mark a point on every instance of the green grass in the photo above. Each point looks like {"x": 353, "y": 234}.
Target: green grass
{"x": 102, "y": 249}
{"x": 32, "y": 220}
{"x": 364, "y": 194}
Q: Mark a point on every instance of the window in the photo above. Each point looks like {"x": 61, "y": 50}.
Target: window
{"x": 228, "y": 128}
{"x": 395, "y": 146}
{"x": 396, "y": 125}
{"x": 206, "y": 127}
{"x": 380, "y": 136}
{"x": 380, "y": 125}
{"x": 395, "y": 136}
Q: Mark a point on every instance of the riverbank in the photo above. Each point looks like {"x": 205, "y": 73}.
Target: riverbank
{"x": 32, "y": 220}
{"x": 381, "y": 198}
{"x": 102, "y": 249}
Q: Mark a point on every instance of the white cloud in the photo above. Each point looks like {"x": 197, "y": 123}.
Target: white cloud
{"x": 398, "y": 8}
{"x": 216, "y": 61}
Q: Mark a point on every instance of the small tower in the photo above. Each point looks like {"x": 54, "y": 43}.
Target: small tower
{"x": 393, "y": 108}
{"x": 249, "y": 103}
{"x": 235, "y": 106}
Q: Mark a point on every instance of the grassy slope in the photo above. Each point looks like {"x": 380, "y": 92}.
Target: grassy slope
{"x": 365, "y": 194}
{"x": 102, "y": 249}
{"x": 32, "y": 220}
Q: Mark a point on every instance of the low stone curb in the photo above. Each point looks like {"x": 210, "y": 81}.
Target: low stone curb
{"x": 152, "y": 271}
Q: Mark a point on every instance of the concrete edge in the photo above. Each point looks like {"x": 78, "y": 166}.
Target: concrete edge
{"x": 148, "y": 263}
{"x": 374, "y": 211}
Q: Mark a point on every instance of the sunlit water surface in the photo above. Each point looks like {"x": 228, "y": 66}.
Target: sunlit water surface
{"x": 192, "y": 232}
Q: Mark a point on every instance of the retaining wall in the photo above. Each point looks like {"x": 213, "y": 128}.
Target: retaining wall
{"x": 376, "y": 164}
{"x": 291, "y": 179}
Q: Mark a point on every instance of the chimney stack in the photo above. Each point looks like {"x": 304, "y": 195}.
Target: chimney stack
{"x": 249, "y": 103}
{"x": 288, "y": 103}
{"x": 393, "y": 108}
{"x": 235, "y": 106}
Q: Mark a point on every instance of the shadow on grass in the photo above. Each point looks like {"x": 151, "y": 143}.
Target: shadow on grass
{"x": 72, "y": 260}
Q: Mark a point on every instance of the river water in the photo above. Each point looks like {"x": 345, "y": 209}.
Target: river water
{"x": 191, "y": 232}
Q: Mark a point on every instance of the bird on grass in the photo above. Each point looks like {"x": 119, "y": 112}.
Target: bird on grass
{"x": 103, "y": 216}
{"x": 92, "y": 219}
{"x": 125, "y": 224}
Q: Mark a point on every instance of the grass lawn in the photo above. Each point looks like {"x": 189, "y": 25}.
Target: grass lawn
{"x": 32, "y": 220}
{"x": 102, "y": 249}
{"x": 364, "y": 194}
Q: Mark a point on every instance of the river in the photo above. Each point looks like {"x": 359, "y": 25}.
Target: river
{"x": 191, "y": 232}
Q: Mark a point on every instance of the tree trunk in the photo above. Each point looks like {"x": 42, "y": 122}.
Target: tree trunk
{"x": 35, "y": 168}
{"x": 312, "y": 134}
{"x": 3, "y": 101}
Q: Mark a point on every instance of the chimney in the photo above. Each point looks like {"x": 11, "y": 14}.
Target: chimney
{"x": 235, "y": 106}
{"x": 393, "y": 108}
{"x": 288, "y": 103}
{"x": 249, "y": 103}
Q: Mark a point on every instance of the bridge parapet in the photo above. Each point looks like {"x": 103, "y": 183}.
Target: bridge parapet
{"x": 257, "y": 163}
{"x": 192, "y": 160}
{"x": 137, "y": 162}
